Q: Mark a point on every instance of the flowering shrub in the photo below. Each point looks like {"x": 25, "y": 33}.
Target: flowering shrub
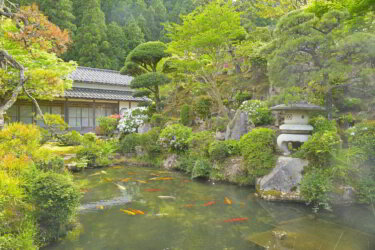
{"x": 258, "y": 112}
{"x": 108, "y": 125}
{"x": 132, "y": 119}
{"x": 176, "y": 137}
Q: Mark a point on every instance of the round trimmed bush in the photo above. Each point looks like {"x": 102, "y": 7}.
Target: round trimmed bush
{"x": 176, "y": 137}
{"x": 258, "y": 148}
{"x": 56, "y": 200}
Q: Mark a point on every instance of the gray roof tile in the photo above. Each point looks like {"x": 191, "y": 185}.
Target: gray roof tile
{"x": 101, "y": 94}
{"x": 104, "y": 76}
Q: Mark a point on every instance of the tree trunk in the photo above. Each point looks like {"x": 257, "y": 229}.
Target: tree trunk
{"x": 9, "y": 59}
{"x": 329, "y": 104}
{"x": 217, "y": 97}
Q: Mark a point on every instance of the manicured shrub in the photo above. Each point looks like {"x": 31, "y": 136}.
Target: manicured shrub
{"x": 108, "y": 125}
{"x": 90, "y": 137}
{"x": 53, "y": 164}
{"x": 56, "y": 199}
{"x": 158, "y": 120}
{"x": 55, "y": 124}
{"x": 186, "y": 163}
{"x": 322, "y": 124}
{"x": 219, "y": 150}
{"x": 258, "y": 111}
{"x": 199, "y": 143}
{"x": 321, "y": 148}
{"x": 242, "y": 96}
{"x": 72, "y": 138}
{"x": 129, "y": 142}
{"x": 175, "y": 137}
{"x": 131, "y": 119}
{"x": 97, "y": 153}
{"x": 315, "y": 186}
{"x": 185, "y": 115}
{"x": 150, "y": 142}
{"x": 362, "y": 136}
{"x": 258, "y": 148}
{"x": 202, "y": 168}
{"x": 203, "y": 106}
{"x": 19, "y": 139}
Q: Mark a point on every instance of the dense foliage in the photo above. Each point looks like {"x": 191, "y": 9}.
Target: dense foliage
{"x": 175, "y": 137}
{"x": 258, "y": 148}
{"x": 258, "y": 112}
{"x": 38, "y": 199}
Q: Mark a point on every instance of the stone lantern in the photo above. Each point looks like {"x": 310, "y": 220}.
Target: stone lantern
{"x": 295, "y": 129}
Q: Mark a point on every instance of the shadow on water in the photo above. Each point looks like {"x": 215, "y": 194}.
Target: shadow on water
{"x": 183, "y": 214}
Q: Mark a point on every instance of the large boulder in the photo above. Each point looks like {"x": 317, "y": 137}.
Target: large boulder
{"x": 238, "y": 126}
{"x": 283, "y": 181}
{"x": 170, "y": 162}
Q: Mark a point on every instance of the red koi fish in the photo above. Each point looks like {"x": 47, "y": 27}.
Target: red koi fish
{"x": 210, "y": 203}
{"x": 237, "y": 219}
{"x": 153, "y": 190}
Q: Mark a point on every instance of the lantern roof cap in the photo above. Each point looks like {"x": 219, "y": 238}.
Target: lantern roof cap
{"x": 298, "y": 106}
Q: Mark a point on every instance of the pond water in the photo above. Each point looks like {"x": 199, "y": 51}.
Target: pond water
{"x": 183, "y": 214}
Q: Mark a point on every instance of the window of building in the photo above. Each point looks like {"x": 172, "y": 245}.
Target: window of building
{"x": 26, "y": 114}
{"x": 81, "y": 117}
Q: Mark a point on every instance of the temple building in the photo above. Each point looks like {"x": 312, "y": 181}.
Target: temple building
{"x": 95, "y": 93}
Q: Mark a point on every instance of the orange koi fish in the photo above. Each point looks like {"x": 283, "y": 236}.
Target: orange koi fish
{"x": 161, "y": 178}
{"x": 189, "y": 205}
{"x": 116, "y": 167}
{"x": 100, "y": 207}
{"x": 137, "y": 211}
{"x": 152, "y": 189}
{"x": 107, "y": 179}
{"x": 125, "y": 179}
{"x": 84, "y": 190}
{"x": 227, "y": 201}
{"x": 127, "y": 212}
{"x": 237, "y": 219}
{"x": 140, "y": 181}
{"x": 210, "y": 203}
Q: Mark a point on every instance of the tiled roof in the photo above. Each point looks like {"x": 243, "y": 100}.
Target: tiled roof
{"x": 104, "y": 76}
{"x": 101, "y": 94}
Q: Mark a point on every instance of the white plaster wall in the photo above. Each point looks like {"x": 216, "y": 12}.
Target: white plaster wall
{"x": 125, "y": 105}
{"x": 101, "y": 86}
{"x": 295, "y": 117}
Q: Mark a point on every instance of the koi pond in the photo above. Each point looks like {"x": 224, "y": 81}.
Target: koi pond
{"x": 144, "y": 208}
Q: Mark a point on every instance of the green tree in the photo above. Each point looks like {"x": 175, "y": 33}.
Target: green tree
{"x": 117, "y": 49}
{"x": 90, "y": 40}
{"x": 59, "y": 12}
{"x": 317, "y": 53}
{"x": 202, "y": 42}
{"x": 133, "y": 33}
{"x": 146, "y": 64}
{"x": 29, "y": 66}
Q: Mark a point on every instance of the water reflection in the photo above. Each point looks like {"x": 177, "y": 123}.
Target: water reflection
{"x": 187, "y": 222}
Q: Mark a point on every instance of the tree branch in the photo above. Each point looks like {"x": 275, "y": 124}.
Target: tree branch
{"x": 38, "y": 109}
